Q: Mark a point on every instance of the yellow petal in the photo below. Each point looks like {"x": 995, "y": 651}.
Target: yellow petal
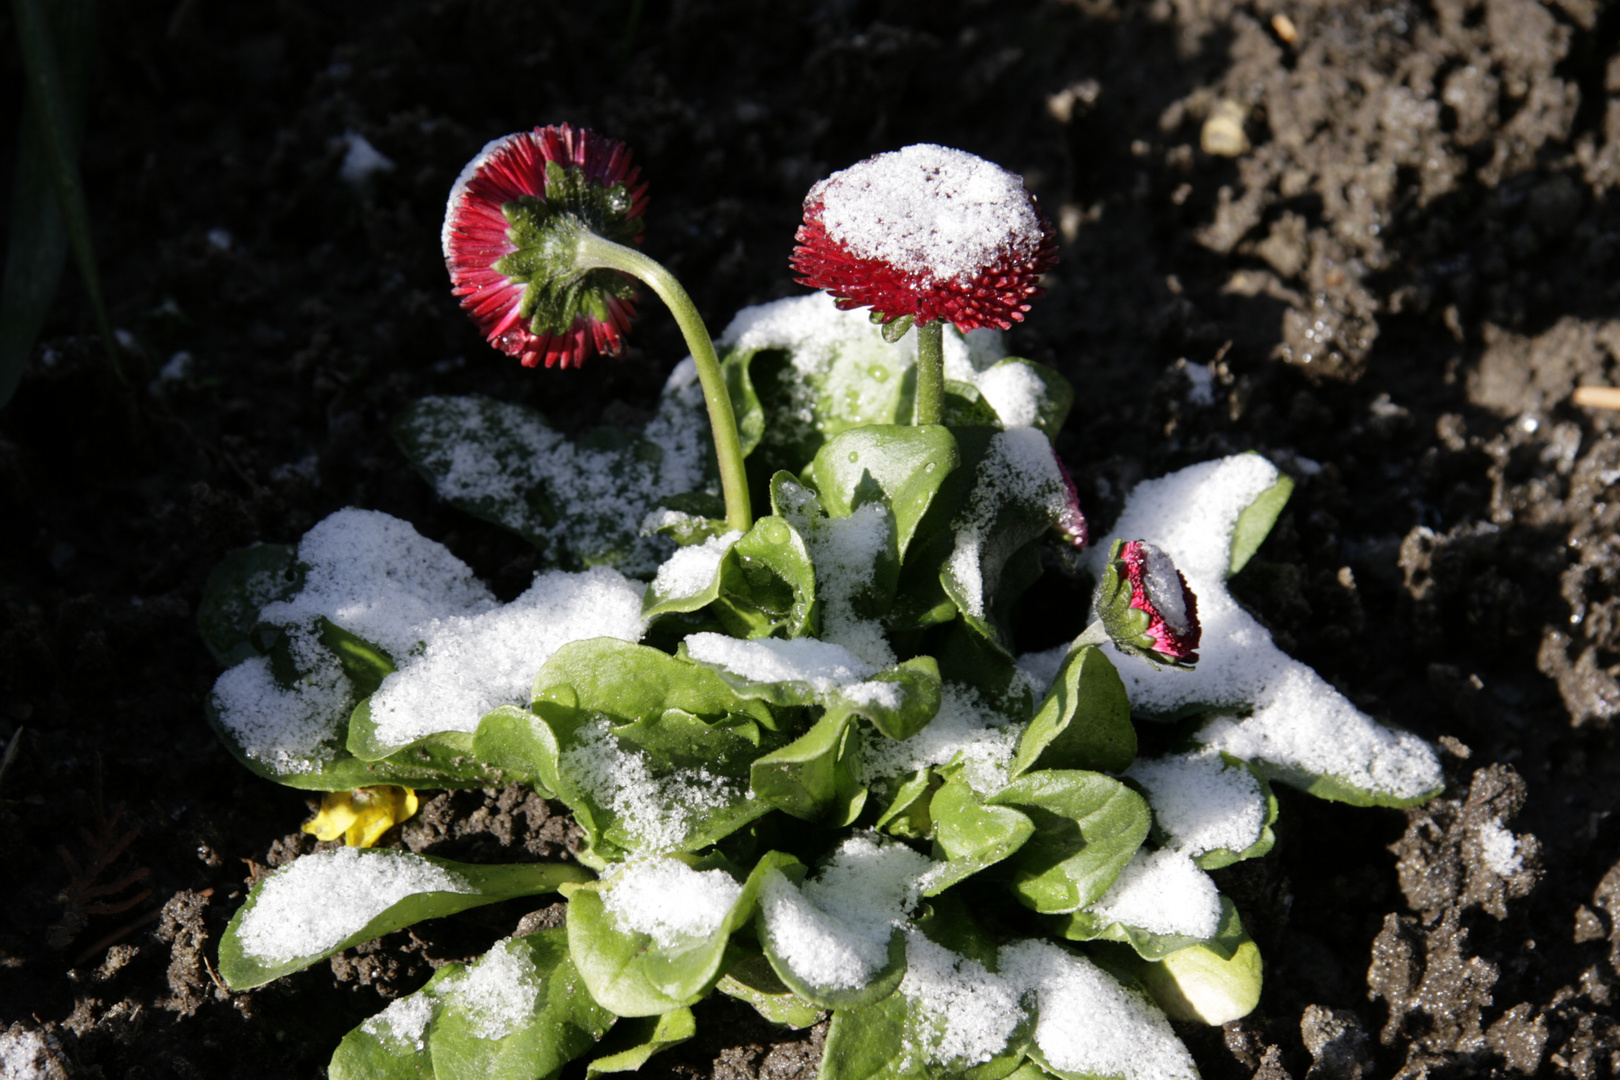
{"x": 362, "y": 816}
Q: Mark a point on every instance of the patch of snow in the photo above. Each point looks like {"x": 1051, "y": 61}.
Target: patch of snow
{"x": 669, "y": 901}
{"x": 311, "y": 905}
{"x": 1298, "y": 721}
{"x": 964, "y": 729}
{"x": 1202, "y": 803}
{"x": 1162, "y": 893}
{"x": 498, "y": 993}
{"x": 1088, "y": 1023}
{"x": 834, "y": 930}
{"x": 1500, "y": 849}
{"x": 970, "y": 1011}
{"x": 362, "y": 161}
{"x": 692, "y": 569}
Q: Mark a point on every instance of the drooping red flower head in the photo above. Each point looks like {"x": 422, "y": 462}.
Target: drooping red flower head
{"x": 926, "y": 233}
{"x": 1146, "y": 607}
{"x": 1071, "y": 523}
{"x": 508, "y": 243}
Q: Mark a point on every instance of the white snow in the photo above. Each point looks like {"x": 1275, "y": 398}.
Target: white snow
{"x": 1088, "y": 1023}
{"x": 290, "y": 731}
{"x": 28, "y": 1055}
{"x": 834, "y": 930}
{"x": 1019, "y": 467}
{"x": 1162, "y": 893}
{"x": 660, "y": 812}
{"x": 820, "y": 665}
{"x": 601, "y": 494}
{"x": 1298, "y": 721}
{"x": 941, "y": 214}
{"x": 846, "y": 552}
{"x": 498, "y": 993}
{"x": 474, "y": 663}
{"x": 1014, "y": 390}
{"x": 362, "y": 161}
{"x": 965, "y": 729}
{"x": 404, "y": 1021}
{"x": 313, "y": 904}
{"x": 970, "y": 1012}
{"x": 692, "y": 569}
{"x": 377, "y": 577}
{"x": 1500, "y": 848}
{"x": 1201, "y": 802}
{"x": 669, "y": 901}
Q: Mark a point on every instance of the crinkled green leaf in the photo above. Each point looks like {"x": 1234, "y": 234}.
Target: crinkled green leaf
{"x": 1084, "y": 722}
{"x": 243, "y": 970}
{"x": 907, "y": 814}
{"x": 642, "y": 1037}
{"x": 1256, "y": 520}
{"x": 902, "y": 467}
{"x": 813, "y": 777}
{"x": 242, "y": 583}
{"x": 628, "y": 972}
{"x": 970, "y": 835}
{"x": 965, "y": 406}
{"x": 869, "y": 1042}
{"x": 982, "y": 664}
{"x": 751, "y": 979}
{"x": 652, "y": 751}
{"x": 534, "y": 1043}
{"x": 767, "y": 583}
{"x": 1087, "y": 827}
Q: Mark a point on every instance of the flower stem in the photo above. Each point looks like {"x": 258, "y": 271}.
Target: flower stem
{"x": 931, "y": 372}
{"x": 593, "y": 252}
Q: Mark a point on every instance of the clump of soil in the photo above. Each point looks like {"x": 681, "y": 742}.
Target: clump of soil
{"x": 1393, "y": 264}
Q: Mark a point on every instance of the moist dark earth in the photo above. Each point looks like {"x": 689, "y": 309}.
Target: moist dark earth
{"x": 1389, "y": 230}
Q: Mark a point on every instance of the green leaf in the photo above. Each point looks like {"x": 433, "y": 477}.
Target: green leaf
{"x": 380, "y": 1050}
{"x": 651, "y": 752}
{"x": 688, "y": 581}
{"x": 1084, "y": 926}
{"x": 813, "y": 777}
{"x": 629, "y": 972}
{"x": 1087, "y": 827}
{"x": 519, "y": 744}
{"x": 902, "y": 467}
{"x": 745, "y": 404}
{"x": 692, "y": 517}
{"x": 970, "y": 835}
{"x": 642, "y": 1037}
{"x": 583, "y": 500}
{"x": 869, "y": 1042}
{"x": 767, "y": 583}
{"x": 879, "y": 984}
{"x": 1053, "y": 399}
{"x": 1210, "y": 982}
{"x": 1218, "y": 858}
{"x": 237, "y": 588}
{"x": 752, "y": 980}
{"x": 533, "y": 1042}
{"x": 312, "y": 883}
{"x": 1084, "y": 722}
{"x": 966, "y": 407}
{"x": 1256, "y": 520}
{"x": 907, "y": 815}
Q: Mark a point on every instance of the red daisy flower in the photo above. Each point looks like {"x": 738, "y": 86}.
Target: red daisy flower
{"x": 507, "y": 241}
{"x": 926, "y": 233}
{"x": 1146, "y": 607}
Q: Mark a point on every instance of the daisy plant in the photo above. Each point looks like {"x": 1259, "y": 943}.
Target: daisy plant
{"x": 810, "y": 766}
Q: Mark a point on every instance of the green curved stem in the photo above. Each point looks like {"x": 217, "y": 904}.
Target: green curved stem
{"x": 593, "y": 252}
{"x": 931, "y": 372}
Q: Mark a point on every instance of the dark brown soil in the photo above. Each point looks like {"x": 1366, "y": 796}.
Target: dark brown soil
{"x": 1398, "y": 283}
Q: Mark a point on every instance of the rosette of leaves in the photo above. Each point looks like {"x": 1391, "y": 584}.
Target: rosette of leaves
{"x": 819, "y": 782}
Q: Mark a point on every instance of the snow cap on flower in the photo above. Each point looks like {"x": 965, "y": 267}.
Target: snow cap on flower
{"x": 509, "y": 242}
{"x": 1146, "y": 607}
{"x": 926, "y": 233}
